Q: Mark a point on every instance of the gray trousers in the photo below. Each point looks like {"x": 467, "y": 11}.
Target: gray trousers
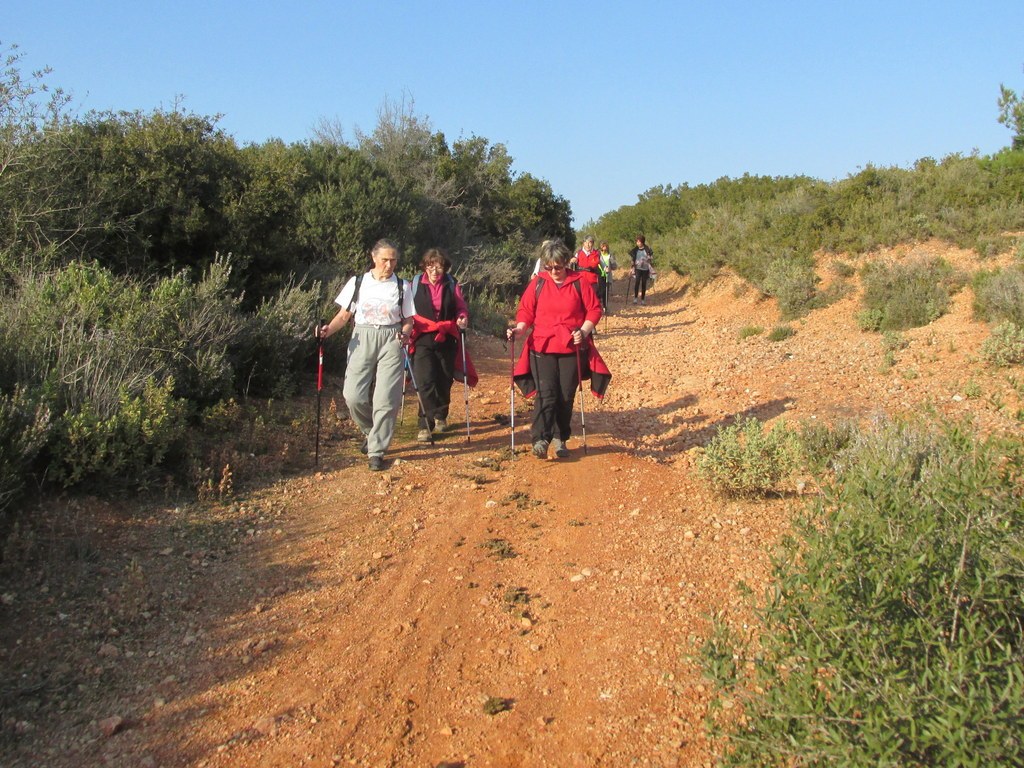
{"x": 374, "y": 379}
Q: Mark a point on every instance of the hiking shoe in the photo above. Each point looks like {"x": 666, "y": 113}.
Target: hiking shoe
{"x": 540, "y": 449}
{"x": 441, "y": 425}
{"x": 365, "y": 447}
{"x": 561, "y": 450}
{"x": 423, "y": 436}
{"x": 643, "y": 301}
{"x": 634, "y": 299}
{"x": 376, "y": 463}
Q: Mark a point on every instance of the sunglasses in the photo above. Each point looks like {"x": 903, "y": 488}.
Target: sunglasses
{"x": 555, "y": 268}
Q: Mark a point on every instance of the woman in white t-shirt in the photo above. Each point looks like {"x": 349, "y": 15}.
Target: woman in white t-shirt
{"x": 382, "y": 306}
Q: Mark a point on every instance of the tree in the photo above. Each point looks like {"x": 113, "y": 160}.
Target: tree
{"x": 1011, "y": 114}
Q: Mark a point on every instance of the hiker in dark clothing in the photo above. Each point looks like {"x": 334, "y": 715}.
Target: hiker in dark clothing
{"x": 441, "y": 314}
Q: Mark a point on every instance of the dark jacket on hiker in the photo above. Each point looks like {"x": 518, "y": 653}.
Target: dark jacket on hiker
{"x": 643, "y": 266}
{"x": 435, "y": 345}
{"x": 551, "y": 364}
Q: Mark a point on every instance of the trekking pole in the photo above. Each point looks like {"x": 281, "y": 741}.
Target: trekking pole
{"x": 319, "y": 388}
{"x": 465, "y": 378}
{"x": 629, "y": 283}
{"x": 512, "y": 394}
{"x": 583, "y": 415}
{"x": 405, "y": 383}
{"x": 416, "y": 389}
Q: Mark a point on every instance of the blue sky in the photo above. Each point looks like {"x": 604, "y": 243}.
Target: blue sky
{"x": 602, "y": 99}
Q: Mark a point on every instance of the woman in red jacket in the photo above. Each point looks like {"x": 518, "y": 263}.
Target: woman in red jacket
{"x": 588, "y": 261}
{"x": 562, "y": 309}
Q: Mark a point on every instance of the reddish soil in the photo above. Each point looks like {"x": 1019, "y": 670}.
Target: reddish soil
{"x": 463, "y": 607}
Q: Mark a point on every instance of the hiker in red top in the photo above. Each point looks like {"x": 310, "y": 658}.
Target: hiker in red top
{"x": 588, "y": 261}
{"x": 441, "y": 314}
{"x": 562, "y": 309}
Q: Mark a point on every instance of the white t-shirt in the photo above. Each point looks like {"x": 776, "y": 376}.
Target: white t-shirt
{"x": 378, "y": 300}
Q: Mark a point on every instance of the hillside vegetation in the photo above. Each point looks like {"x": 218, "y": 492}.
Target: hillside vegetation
{"x": 159, "y": 286}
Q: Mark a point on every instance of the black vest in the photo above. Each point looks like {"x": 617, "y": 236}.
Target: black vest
{"x": 425, "y": 307}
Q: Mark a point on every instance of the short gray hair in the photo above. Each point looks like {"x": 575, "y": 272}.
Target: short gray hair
{"x": 553, "y": 252}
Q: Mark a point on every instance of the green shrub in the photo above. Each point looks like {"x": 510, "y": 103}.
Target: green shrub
{"x": 750, "y": 330}
{"x": 870, "y": 319}
{"x": 276, "y": 343}
{"x": 781, "y": 332}
{"x": 892, "y": 632}
{"x": 999, "y": 295}
{"x": 125, "y": 449}
{"x": 1005, "y": 345}
{"x": 821, "y": 443}
{"x": 24, "y": 429}
{"x": 911, "y": 294}
{"x": 793, "y": 284}
{"x": 745, "y": 459}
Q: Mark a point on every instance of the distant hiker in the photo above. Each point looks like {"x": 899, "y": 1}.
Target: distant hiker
{"x": 374, "y": 374}
{"x": 604, "y": 278}
{"x": 562, "y": 309}
{"x": 643, "y": 264}
{"x": 440, "y": 314}
{"x": 588, "y": 261}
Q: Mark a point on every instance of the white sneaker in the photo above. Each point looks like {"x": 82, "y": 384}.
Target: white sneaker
{"x": 440, "y": 425}
{"x": 423, "y": 436}
{"x": 634, "y": 299}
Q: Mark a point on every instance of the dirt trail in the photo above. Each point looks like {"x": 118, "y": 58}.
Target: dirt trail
{"x": 463, "y": 608}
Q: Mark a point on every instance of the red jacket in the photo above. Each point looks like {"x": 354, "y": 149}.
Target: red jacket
{"x": 589, "y": 265}
{"x": 555, "y": 311}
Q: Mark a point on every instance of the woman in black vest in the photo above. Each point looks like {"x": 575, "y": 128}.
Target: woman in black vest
{"x": 441, "y": 314}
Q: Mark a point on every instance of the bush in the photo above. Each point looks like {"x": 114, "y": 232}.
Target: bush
{"x": 750, "y": 330}
{"x": 999, "y": 295}
{"x": 793, "y": 284}
{"x": 124, "y": 449}
{"x": 821, "y": 444}
{"x": 781, "y": 333}
{"x": 1005, "y": 346}
{"x": 24, "y": 429}
{"x": 911, "y": 294}
{"x": 744, "y": 459}
{"x": 891, "y": 635}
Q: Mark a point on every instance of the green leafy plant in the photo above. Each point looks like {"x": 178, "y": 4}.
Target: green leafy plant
{"x": 891, "y": 633}
{"x": 909, "y": 294}
{"x": 999, "y": 295}
{"x": 781, "y": 332}
{"x": 750, "y": 330}
{"x": 746, "y": 459}
{"x": 1004, "y": 346}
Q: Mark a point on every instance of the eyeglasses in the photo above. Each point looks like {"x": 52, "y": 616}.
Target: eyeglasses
{"x": 435, "y": 268}
{"x": 555, "y": 268}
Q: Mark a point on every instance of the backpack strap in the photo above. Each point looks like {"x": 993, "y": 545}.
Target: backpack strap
{"x": 401, "y": 294}
{"x": 355, "y": 291}
{"x": 540, "y": 284}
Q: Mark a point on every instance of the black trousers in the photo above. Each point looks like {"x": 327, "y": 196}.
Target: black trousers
{"x": 557, "y": 378}
{"x": 433, "y": 365}
{"x": 640, "y": 287}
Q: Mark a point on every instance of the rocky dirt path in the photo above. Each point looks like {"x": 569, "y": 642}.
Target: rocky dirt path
{"x": 467, "y": 608}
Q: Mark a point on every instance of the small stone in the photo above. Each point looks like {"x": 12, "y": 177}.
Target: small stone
{"x": 111, "y": 725}
{"x": 109, "y": 651}
{"x": 266, "y": 725}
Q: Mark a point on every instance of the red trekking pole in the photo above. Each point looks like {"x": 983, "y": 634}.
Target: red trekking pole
{"x": 512, "y": 394}
{"x": 319, "y": 388}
